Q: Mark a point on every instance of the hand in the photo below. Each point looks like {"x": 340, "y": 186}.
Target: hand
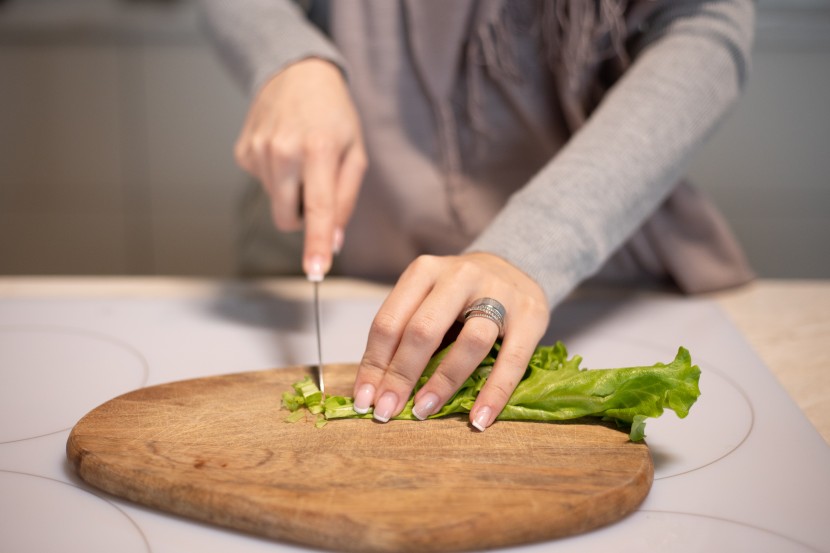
{"x": 302, "y": 136}
{"x": 413, "y": 320}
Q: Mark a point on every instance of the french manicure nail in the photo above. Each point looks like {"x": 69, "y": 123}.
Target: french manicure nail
{"x": 337, "y": 246}
{"x": 482, "y": 419}
{"x": 314, "y": 268}
{"x": 385, "y": 405}
{"x": 363, "y": 399}
{"x": 425, "y": 406}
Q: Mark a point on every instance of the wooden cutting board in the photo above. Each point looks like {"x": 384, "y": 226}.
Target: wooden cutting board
{"x": 217, "y": 449}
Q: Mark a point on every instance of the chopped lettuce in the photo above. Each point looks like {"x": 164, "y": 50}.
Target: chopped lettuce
{"x": 306, "y": 394}
{"x": 295, "y": 415}
{"x": 554, "y": 388}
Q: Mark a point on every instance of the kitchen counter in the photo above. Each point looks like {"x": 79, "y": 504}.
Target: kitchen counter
{"x": 746, "y": 471}
{"x": 787, "y": 322}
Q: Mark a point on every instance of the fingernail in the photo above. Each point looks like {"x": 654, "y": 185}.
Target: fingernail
{"x": 482, "y": 420}
{"x": 425, "y": 406}
{"x": 338, "y": 240}
{"x": 384, "y": 406}
{"x": 314, "y": 268}
{"x": 363, "y": 399}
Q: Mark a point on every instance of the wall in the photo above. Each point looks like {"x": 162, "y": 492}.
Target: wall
{"x": 117, "y": 123}
{"x": 768, "y": 166}
{"x": 116, "y": 131}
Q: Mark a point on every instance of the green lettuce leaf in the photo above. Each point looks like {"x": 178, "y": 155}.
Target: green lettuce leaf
{"x": 554, "y": 388}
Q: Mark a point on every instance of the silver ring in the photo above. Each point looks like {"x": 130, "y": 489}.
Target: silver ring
{"x": 489, "y": 309}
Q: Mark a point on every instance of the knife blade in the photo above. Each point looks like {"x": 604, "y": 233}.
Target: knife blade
{"x": 317, "y": 315}
{"x": 315, "y": 280}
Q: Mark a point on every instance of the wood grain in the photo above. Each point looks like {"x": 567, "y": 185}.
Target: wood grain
{"x": 216, "y": 449}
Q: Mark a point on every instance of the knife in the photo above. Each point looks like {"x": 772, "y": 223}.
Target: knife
{"x": 320, "y": 380}
{"x": 315, "y": 281}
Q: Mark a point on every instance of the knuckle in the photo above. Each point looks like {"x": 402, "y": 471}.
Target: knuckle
{"x": 241, "y": 154}
{"x": 370, "y": 368}
{"x": 320, "y": 144}
{"x": 468, "y": 270}
{"x": 479, "y": 337}
{"x": 514, "y": 358}
{"x": 423, "y": 263}
{"x": 502, "y": 390}
{"x": 257, "y": 146}
{"x": 537, "y": 307}
{"x": 385, "y": 326}
{"x": 397, "y": 377}
{"x": 446, "y": 382}
{"x": 422, "y": 329}
{"x": 281, "y": 149}
{"x": 533, "y": 303}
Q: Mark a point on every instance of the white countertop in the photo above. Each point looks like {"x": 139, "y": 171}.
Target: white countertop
{"x": 746, "y": 471}
{"x": 781, "y": 319}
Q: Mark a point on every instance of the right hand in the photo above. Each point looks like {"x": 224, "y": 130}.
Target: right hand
{"x": 302, "y": 135}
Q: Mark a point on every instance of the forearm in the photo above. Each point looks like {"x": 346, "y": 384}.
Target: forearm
{"x": 620, "y": 166}
{"x": 257, "y": 38}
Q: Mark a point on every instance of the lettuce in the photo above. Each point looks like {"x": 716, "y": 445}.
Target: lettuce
{"x": 554, "y": 388}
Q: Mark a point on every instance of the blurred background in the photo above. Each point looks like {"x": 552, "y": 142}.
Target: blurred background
{"x": 117, "y": 125}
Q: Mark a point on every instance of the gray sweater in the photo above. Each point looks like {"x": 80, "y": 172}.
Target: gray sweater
{"x": 469, "y": 153}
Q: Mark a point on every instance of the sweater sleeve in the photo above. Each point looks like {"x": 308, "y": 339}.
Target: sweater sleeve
{"x": 617, "y": 169}
{"x": 257, "y": 38}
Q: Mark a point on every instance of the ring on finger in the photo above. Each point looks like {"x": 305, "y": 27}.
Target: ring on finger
{"x": 489, "y": 309}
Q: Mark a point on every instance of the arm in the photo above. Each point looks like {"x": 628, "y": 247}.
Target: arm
{"x": 301, "y": 138}
{"x": 618, "y": 168}
{"x": 258, "y": 38}
{"x": 567, "y": 220}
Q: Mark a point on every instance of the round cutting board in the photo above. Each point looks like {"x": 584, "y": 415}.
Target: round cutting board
{"x": 217, "y": 449}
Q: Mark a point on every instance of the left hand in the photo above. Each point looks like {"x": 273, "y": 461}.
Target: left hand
{"x": 411, "y": 323}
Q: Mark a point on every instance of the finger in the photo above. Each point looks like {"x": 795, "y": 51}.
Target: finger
{"x": 319, "y": 173}
{"x": 285, "y": 203}
{"x": 281, "y": 160}
{"x": 388, "y": 328}
{"x": 275, "y": 163}
{"x": 242, "y": 156}
{"x": 421, "y": 337}
{"x": 348, "y": 185}
{"x": 249, "y": 154}
{"x": 474, "y": 342}
{"x": 516, "y": 350}
{"x": 243, "y": 151}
